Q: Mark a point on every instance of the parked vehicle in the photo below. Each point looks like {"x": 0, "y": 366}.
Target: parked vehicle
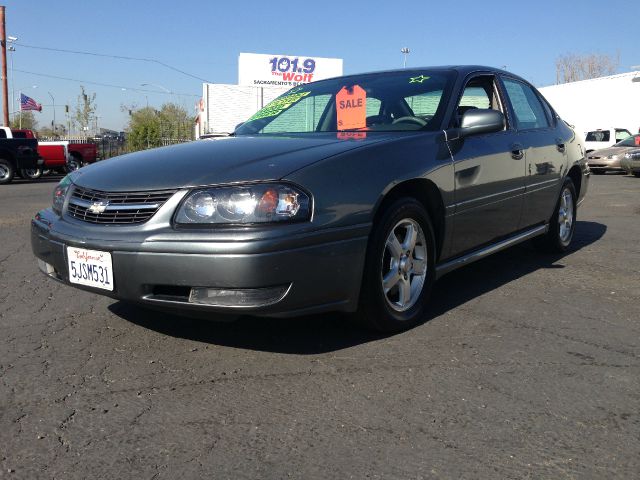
{"x": 631, "y": 162}
{"x": 17, "y": 154}
{"x": 353, "y": 194}
{"x": 82, "y": 154}
{"x": 609, "y": 159}
{"x": 61, "y": 156}
{"x": 603, "y": 138}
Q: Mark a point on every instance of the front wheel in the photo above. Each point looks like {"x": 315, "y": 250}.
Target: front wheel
{"x": 399, "y": 269}
{"x": 6, "y": 171}
{"x": 562, "y": 223}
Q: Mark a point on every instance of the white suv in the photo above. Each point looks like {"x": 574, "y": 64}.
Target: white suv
{"x": 603, "y": 138}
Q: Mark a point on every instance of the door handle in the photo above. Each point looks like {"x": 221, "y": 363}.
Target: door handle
{"x": 517, "y": 152}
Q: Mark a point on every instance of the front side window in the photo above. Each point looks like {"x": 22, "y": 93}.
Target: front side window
{"x": 397, "y": 101}
{"x": 527, "y": 107}
{"x": 479, "y": 92}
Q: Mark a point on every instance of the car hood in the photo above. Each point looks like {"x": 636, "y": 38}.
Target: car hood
{"x": 605, "y": 152}
{"x": 216, "y": 161}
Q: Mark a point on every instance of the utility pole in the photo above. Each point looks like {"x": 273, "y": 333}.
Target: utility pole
{"x": 5, "y": 90}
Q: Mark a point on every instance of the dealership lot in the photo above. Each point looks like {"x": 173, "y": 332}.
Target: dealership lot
{"x": 528, "y": 366}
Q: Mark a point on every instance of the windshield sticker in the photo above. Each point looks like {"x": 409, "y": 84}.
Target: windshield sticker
{"x": 419, "y": 79}
{"x": 351, "y": 108}
{"x": 279, "y": 105}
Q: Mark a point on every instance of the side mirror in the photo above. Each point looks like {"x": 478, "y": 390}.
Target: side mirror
{"x": 481, "y": 120}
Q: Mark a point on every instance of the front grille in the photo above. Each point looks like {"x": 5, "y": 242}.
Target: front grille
{"x": 121, "y": 208}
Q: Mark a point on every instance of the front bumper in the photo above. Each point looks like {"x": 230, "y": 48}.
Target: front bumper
{"x": 318, "y": 271}
{"x": 605, "y": 164}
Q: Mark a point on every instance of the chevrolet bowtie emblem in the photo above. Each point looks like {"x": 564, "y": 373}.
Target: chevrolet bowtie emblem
{"x": 98, "y": 207}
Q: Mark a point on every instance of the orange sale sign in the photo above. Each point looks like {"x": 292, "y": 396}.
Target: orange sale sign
{"x": 351, "y": 108}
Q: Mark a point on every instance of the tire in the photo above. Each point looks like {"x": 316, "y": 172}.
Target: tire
{"x": 73, "y": 164}
{"x": 562, "y": 224}
{"x": 398, "y": 273}
{"x": 7, "y": 171}
{"x": 31, "y": 173}
{"x": 636, "y": 174}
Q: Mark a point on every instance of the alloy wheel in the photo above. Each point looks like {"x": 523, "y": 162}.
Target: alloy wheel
{"x": 565, "y": 215}
{"x": 404, "y": 265}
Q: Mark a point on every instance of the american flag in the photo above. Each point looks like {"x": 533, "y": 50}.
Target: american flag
{"x": 28, "y": 103}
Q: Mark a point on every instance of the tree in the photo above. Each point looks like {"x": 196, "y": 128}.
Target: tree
{"x": 572, "y": 67}
{"x": 144, "y": 129}
{"x": 149, "y": 128}
{"x": 85, "y": 109}
{"x": 60, "y": 130}
{"x": 28, "y": 120}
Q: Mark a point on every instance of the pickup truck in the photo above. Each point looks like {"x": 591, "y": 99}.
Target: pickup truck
{"x": 17, "y": 154}
{"x": 62, "y": 156}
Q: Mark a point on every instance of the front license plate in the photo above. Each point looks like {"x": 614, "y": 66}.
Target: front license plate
{"x": 90, "y": 267}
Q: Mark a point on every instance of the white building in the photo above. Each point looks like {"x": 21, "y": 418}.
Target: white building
{"x": 599, "y": 103}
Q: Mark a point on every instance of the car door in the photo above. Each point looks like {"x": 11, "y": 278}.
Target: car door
{"x": 543, "y": 139}
{"x": 489, "y": 173}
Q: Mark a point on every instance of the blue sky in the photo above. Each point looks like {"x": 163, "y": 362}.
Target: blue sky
{"x": 204, "y": 39}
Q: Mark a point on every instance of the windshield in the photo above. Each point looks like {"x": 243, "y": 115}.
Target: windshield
{"x": 397, "y": 101}
{"x": 632, "y": 141}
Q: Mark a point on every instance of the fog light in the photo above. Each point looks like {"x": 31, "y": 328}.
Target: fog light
{"x": 238, "y": 297}
{"x": 46, "y": 267}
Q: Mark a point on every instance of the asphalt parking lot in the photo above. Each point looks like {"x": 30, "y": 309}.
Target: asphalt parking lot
{"x": 527, "y": 367}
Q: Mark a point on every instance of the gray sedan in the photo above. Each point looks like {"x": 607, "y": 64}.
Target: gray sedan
{"x": 352, "y": 194}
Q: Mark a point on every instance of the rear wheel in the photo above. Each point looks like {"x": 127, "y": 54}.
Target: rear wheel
{"x": 399, "y": 270}
{"x": 31, "y": 173}
{"x": 6, "y": 171}
{"x": 636, "y": 174}
{"x": 73, "y": 164}
{"x": 562, "y": 223}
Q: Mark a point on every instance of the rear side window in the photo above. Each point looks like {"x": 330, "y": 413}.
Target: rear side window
{"x": 598, "y": 136}
{"x": 527, "y": 107}
{"x": 3, "y": 134}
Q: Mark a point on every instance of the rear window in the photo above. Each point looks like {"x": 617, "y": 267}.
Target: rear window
{"x": 19, "y": 134}
{"x": 598, "y": 136}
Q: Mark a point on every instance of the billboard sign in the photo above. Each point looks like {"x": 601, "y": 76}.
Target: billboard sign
{"x": 263, "y": 70}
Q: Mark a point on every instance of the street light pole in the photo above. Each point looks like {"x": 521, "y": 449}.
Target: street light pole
{"x": 53, "y": 122}
{"x": 157, "y": 86}
{"x": 405, "y": 51}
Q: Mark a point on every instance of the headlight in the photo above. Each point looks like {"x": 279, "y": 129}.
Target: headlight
{"x": 59, "y": 194}
{"x": 259, "y": 203}
{"x": 612, "y": 157}
{"x": 633, "y": 155}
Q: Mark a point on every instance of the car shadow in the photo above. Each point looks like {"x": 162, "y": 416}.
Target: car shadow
{"x": 335, "y": 331}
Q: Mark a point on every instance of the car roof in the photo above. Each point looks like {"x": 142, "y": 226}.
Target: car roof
{"x": 463, "y": 70}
